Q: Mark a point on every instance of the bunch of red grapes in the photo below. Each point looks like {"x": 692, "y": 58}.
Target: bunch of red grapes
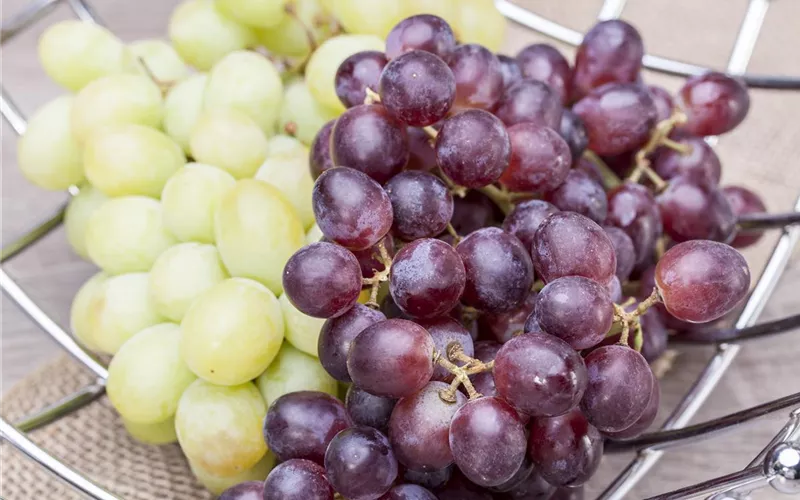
{"x": 486, "y": 191}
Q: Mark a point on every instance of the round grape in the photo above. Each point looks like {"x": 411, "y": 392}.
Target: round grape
{"x": 338, "y": 333}
{"x": 320, "y": 157}
{"x": 701, "y": 164}
{"x": 655, "y": 336}
{"x": 432, "y": 480}
{"x": 540, "y": 159}
{"x": 370, "y": 258}
{"x": 692, "y": 211}
{"x": 624, "y": 250}
{"x": 714, "y": 103}
{"x": 421, "y": 32}
{"x": 531, "y": 488}
{"x": 663, "y": 101}
{"x": 506, "y": 325}
{"x": 366, "y": 409}
{"x": 632, "y": 208}
{"x": 421, "y": 203}
{"x": 611, "y": 52}
{"x": 530, "y": 101}
{"x": 446, "y": 331}
{"x": 297, "y": 479}
{"x": 647, "y": 418}
{"x": 479, "y": 77}
{"x": 248, "y": 490}
{"x": 525, "y": 218}
{"x": 358, "y": 72}
{"x": 408, "y": 492}
{"x": 575, "y": 309}
{"x": 582, "y": 194}
{"x": 485, "y": 351}
{"x": 473, "y": 212}
{"x": 360, "y": 463}
{"x": 460, "y": 488}
{"x": 422, "y": 156}
{"x": 545, "y": 63}
{"x": 511, "y": 70}
{"x": 574, "y": 133}
{"x": 743, "y": 202}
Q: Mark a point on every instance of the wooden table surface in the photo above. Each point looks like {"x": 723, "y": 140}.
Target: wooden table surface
{"x": 762, "y": 154}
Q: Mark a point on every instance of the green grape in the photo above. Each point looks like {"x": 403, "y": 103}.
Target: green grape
{"x": 147, "y": 376}
{"x": 446, "y": 9}
{"x": 127, "y": 234}
{"x": 116, "y": 99}
{"x": 124, "y": 160}
{"x": 256, "y": 232}
{"x": 249, "y": 82}
{"x": 76, "y": 218}
{"x": 298, "y": 33}
{"x": 327, "y": 5}
{"x": 289, "y": 173}
{"x": 313, "y": 235}
{"x": 161, "y": 60}
{"x": 255, "y": 13}
{"x": 301, "y": 331}
{"x": 232, "y": 332}
{"x": 202, "y": 35}
{"x": 219, "y": 428}
{"x": 74, "y": 53}
{"x": 285, "y": 146}
{"x": 217, "y": 484}
{"x": 81, "y": 312}
{"x": 190, "y": 198}
{"x": 47, "y": 153}
{"x": 181, "y": 274}
{"x": 293, "y": 371}
{"x": 368, "y": 17}
{"x": 229, "y": 139}
{"x": 182, "y": 107}
{"x": 479, "y": 21}
{"x": 156, "y": 434}
{"x": 301, "y": 115}
{"x": 121, "y": 308}
{"x": 325, "y": 61}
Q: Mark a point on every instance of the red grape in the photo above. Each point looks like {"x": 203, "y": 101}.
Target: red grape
{"x": 368, "y": 259}
{"x": 408, "y": 492}
{"x": 663, "y": 101}
{"x": 522, "y": 474}
{"x": 611, "y": 52}
{"x": 714, "y": 103}
{"x": 546, "y": 64}
{"x": 358, "y": 72}
{"x": 632, "y": 208}
{"x": 421, "y": 153}
{"x": 297, "y": 479}
{"x": 421, "y": 32}
{"x": 589, "y": 167}
{"x": 531, "y": 488}
{"x": 319, "y": 159}
{"x": 654, "y": 334}
{"x": 744, "y": 202}
{"x": 360, "y": 463}
{"x": 248, "y": 490}
{"x": 445, "y": 331}
{"x": 540, "y": 159}
{"x": 575, "y": 309}
{"x": 623, "y": 249}
{"x": 614, "y": 289}
{"x": 421, "y": 203}
{"x": 337, "y": 334}
{"x": 530, "y": 101}
{"x": 431, "y": 480}
{"x": 366, "y": 409}
{"x": 474, "y": 211}
{"x": 485, "y": 351}
{"x": 700, "y": 165}
{"x": 647, "y": 418}
{"x": 574, "y": 133}
{"x": 525, "y": 219}
{"x": 582, "y": 194}
{"x": 509, "y": 67}
{"x": 479, "y": 77}
{"x": 505, "y": 325}
{"x": 692, "y": 211}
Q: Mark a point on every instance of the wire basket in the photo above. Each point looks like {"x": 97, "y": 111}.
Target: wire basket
{"x": 777, "y": 465}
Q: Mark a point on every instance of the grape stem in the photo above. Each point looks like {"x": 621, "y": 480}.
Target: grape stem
{"x": 379, "y": 276}
{"x": 664, "y": 363}
{"x": 452, "y": 232}
{"x": 372, "y": 96}
{"x": 627, "y": 319}
{"x": 659, "y": 137}
{"x": 162, "y": 86}
{"x": 432, "y": 132}
{"x": 610, "y": 179}
{"x": 471, "y": 366}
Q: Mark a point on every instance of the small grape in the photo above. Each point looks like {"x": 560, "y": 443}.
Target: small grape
{"x": 624, "y": 250}
{"x": 301, "y": 116}
{"x": 701, "y": 164}
{"x": 421, "y": 32}
{"x": 544, "y": 63}
{"x": 574, "y": 133}
{"x": 663, "y": 101}
{"x": 82, "y": 313}
{"x": 632, "y": 208}
{"x": 473, "y": 212}
{"x": 611, "y": 52}
{"x": 370, "y": 259}
{"x": 288, "y": 172}
{"x": 337, "y": 335}
{"x": 408, "y": 492}
{"x": 297, "y": 479}
{"x": 360, "y": 463}
{"x": 742, "y": 202}
{"x": 531, "y": 488}
{"x": 525, "y": 470}
{"x": 506, "y": 325}
{"x": 230, "y": 140}
{"x": 530, "y": 101}
{"x": 366, "y": 409}
{"x": 647, "y": 418}
{"x": 183, "y": 105}
{"x": 421, "y": 153}
{"x": 217, "y": 484}
{"x": 248, "y": 490}
{"x": 255, "y": 13}
{"x": 714, "y": 103}
{"x": 297, "y": 34}
{"x": 692, "y": 211}
{"x": 357, "y": 73}
{"x": 540, "y": 159}
{"x": 155, "y": 434}
{"x": 302, "y": 331}
{"x": 526, "y": 217}
{"x": 161, "y": 60}
{"x": 461, "y": 488}
{"x": 320, "y": 159}
{"x": 582, "y": 194}
{"x": 478, "y": 75}
{"x": 654, "y": 335}
{"x": 364, "y": 17}
{"x": 431, "y": 480}
{"x": 512, "y": 72}
{"x": 421, "y": 203}
{"x": 292, "y": 371}
{"x": 478, "y": 21}
{"x": 80, "y": 209}
{"x": 446, "y": 331}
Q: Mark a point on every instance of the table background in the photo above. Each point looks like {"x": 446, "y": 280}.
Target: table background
{"x": 762, "y": 154}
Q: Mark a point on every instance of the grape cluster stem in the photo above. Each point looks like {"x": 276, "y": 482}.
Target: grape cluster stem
{"x": 610, "y": 179}
{"x": 379, "y": 276}
{"x": 452, "y": 232}
{"x": 471, "y": 366}
{"x": 627, "y": 319}
{"x": 659, "y": 137}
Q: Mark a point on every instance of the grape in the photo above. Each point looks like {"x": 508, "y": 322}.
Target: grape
{"x": 474, "y": 211}
{"x": 460, "y": 488}
{"x": 446, "y": 331}
{"x": 478, "y": 75}
{"x": 74, "y": 53}
{"x": 522, "y": 474}
{"x": 743, "y": 202}
{"x": 297, "y": 479}
{"x": 338, "y": 333}
{"x": 325, "y": 61}
{"x": 623, "y": 249}
{"x": 301, "y": 116}
{"x": 575, "y": 309}
{"x": 582, "y": 194}
{"x": 565, "y": 449}
{"x": 714, "y": 103}
{"x": 417, "y": 88}
{"x": 82, "y": 310}
{"x": 427, "y": 278}
{"x": 421, "y": 32}
{"x": 419, "y": 428}
{"x": 506, "y": 325}
{"x": 479, "y": 21}
{"x": 217, "y": 484}
{"x": 256, "y": 231}
{"x": 183, "y": 105}
{"x": 618, "y": 117}
{"x": 292, "y": 371}
{"x": 488, "y": 441}
{"x": 368, "y": 139}
{"x": 76, "y": 218}
{"x": 632, "y": 208}
{"x": 391, "y": 358}
{"x": 511, "y": 70}
{"x": 432, "y": 480}
{"x": 693, "y": 211}
{"x": 421, "y": 203}
{"x": 180, "y": 274}
{"x": 302, "y": 424}
{"x": 525, "y": 218}
{"x": 654, "y": 335}
{"x": 256, "y": 13}
{"x": 540, "y": 159}
{"x": 647, "y": 418}
{"x": 202, "y": 35}
{"x": 301, "y": 331}
{"x": 230, "y": 140}
{"x": 611, "y": 52}
{"x": 701, "y": 281}
{"x": 360, "y": 463}
{"x": 161, "y": 60}
{"x": 320, "y": 159}
{"x": 126, "y": 234}
{"x": 530, "y": 101}
{"x": 544, "y": 63}
{"x": 473, "y": 148}
{"x": 531, "y": 488}
{"x": 156, "y": 434}
{"x": 539, "y": 374}
{"x": 288, "y": 173}
{"x": 297, "y": 34}
{"x": 663, "y": 101}
{"x": 421, "y": 153}
{"x": 408, "y": 492}
{"x": 249, "y": 490}
{"x": 219, "y": 428}
{"x": 620, "y": 382}
{"x": 366, "y": 409}
{"x": 47, "y": 152}
{"x": 364, "y": 17}
{"x": 358, "y": 72}
{"x": 589, "y": 167}
{"x": 147, "y": 375}
{"x": 701, "y": 164}
{"x": 614, "y": 289}
{"x": 370, "y": 259}
{"x": 573, "y": 132}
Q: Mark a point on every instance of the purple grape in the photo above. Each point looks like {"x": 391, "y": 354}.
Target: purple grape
{"x": 297, "y": 479}
{"x": 663, "y": 101}
{"x": 301, "y": 424}
{"x": 546, "y": 64}
{"x": 714, "y": 103}
{"x": 420, "y": 148}
{"x": 701, "y": 280}
{"x": 427, "y": 278}
{"x": 445, "y": 331}
{"x": 539, "y": 374}
{"x": 460, "y": 488}
{"x": 623, "y": 249}
{"x": 692, "y": 211}
{"x": 421, "y": 32}
{"x": 511, "y": 70}
{"x": 421, "y": 203}
{"x": 351, "y": 209}
{"x": 569, "y": 244}
{"x": 575, "y": 309}
{"x": 369, "y": 258}
{"x": 525, "y": 218}
{"x": 358, "y": 72}
{"x": 479, "y": 77}
{"x": 506, "y": 325}
{"x": 588, "y": 167}
{"x": 366, "y": 409}
{"x": 392, "y": 358}
{"x": 532, "y": 488}
{"x": 337, "y": 334}
{"x": 620, "y": 382}
{"x": 530, "y": 101}
{"x": 248, "y": 490}
{"x": 322, "y": 280}
{"x": 430, "y": 480}
{"x": 408, "y": 492}
{"x": 519, "y": 477}
{"x": 419, "y": 428}
{"x": 485, "y": 351}
{"x": 701, "y": 164}
{"x": 611, "y": 52}
{"x": 473, "y": 148}
{"x": 488, "y": 441}
{"x": 654, "y": 335}
{"x": 574, "y": 133}
{"x": 582, "y": 194}
{"x": 319, "y": 159}
{"x": 498, "y": 268}
{"x": 647, "y": 418}
{"x": 621, "y": 164}
{"x": 540, "y": 159}
{"x": 632, "y": 208}
{"x": 367, "y": 138}
{"x": 566, "y": 449}
{"x": 360, "y": 464}
{"x": 473, "y": 212}
{"x": 744, "y": 202}
{"x": 618, "y": 117}
{"x": 614, "y": 289}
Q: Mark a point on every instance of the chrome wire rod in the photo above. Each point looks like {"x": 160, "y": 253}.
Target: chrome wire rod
{"x": 611, "y": 9}
{"x": 12, "y": 114}
{"x": 32, "y": 12}
{"x": 722, "y": 335}
{"x": 33, "y": 235}
{"x": 62, "y": 407}
{"x": 84, "y": 11}
{"x": 768, "y": 220}
{"x": 789, "y": 432}
{"x": 750, "y": 476}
